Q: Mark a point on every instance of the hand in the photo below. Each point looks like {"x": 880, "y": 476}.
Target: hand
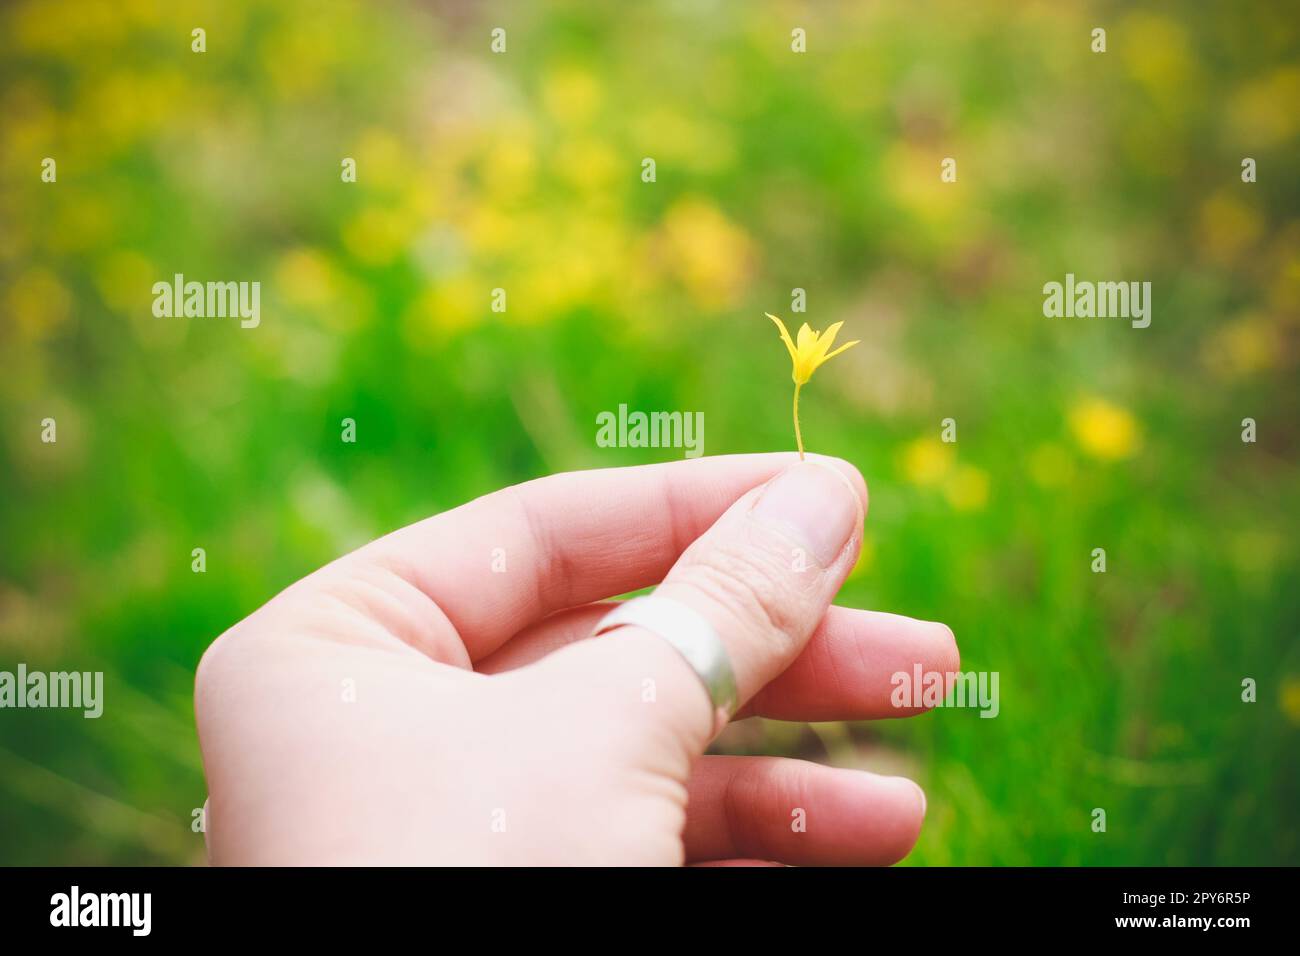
{"x": 433, "y": 696}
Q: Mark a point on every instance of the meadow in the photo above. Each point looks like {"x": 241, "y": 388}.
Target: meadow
{"x": 780, "y": 178}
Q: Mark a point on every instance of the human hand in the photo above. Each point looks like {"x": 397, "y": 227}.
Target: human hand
{"x": 430, "y": 699}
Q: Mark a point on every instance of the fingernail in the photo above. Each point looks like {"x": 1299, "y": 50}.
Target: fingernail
{"x": 906, "y": 783}
{"x": 816, "y": 504}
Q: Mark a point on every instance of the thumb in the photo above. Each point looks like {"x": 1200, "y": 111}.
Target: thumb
{"x": 762, "y": 576}
{"x": 768, "y": 569}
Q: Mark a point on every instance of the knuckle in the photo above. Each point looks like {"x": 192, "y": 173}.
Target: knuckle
{"x": 228, "y": 659}
{"x": 213, "y": 667}
{"x": 751, "y": 585}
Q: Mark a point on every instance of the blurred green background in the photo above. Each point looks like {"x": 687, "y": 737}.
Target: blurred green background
{"x": 775, "y": 171}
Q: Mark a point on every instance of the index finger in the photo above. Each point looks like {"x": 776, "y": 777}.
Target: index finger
{"x": 503, "y": 561}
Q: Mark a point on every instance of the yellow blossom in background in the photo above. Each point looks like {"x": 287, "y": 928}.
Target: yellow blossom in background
{"x": 487, "y": 231}
{"x": 451, "y": 305}
{"x": 571, "y": 95}
{"x": 66, "y": 27}
{"x": 1285, "y": 293}
{"x": 931, "y": 463}
{"x": 382, "y": 161}
{"x": 912, "y": 174}
{"x": 510, "y": 164}
{"x": 707, "y": 252}
{"x": 31, "y": 127}
{"x": 1242, "y": 348}
{"x": 587, "y": 165}
{"x": 300, "y": 61}
{"x": 303, "y": 278}
{"x": 36, "y": 303}
{"x": 1291, "y": 699}
{"x": 377, "y": 236}
{"x": 124, "y": 278}
{"x": 85, "y": 224}
{"x": 686, "y": 141}
{"x": 1229, "y": 228}
{"x": 927, "y": 461}
{"x": 577, "y": 263}
{"x": 131, "y": 105}
{"x": 1155, "y": 51}
{"x": 967, "y": 489}
{"x": 1260, "y": 113}
{"x": 1104, "y": 430}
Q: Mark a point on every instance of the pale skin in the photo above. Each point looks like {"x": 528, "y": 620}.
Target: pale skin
{"x": 409, "y": 704}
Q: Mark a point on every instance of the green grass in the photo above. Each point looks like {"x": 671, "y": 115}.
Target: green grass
{"x": 1119, "y": 691}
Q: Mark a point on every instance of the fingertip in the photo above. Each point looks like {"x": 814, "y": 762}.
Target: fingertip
{"x": 950, "y": 653}
{"x": 919, "y": 794}
{"x": 909, "y": 819}
{"x": 889, "y": 812}
{"x": 849, "y": 472}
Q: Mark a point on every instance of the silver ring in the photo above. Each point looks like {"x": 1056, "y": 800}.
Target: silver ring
{"x": 692, "y": 636}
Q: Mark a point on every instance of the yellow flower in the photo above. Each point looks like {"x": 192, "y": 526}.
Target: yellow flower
{"x": 1291, "y": 699}
{"x": 807, "y": 354}
{"x": 810, "y": 351}
{"x": 968, "y": 488}
{"x": 1103, "y": 430}
{"x": 927, "y": 462}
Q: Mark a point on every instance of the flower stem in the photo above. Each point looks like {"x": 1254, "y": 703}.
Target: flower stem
{"x": 798, "y": 437}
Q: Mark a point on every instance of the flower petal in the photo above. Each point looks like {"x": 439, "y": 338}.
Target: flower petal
{"x": 846, "y": 345}
{"x": 807, "y": 339}
{"x": 824, "y": 343}
{"x": 785, "y": 337}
